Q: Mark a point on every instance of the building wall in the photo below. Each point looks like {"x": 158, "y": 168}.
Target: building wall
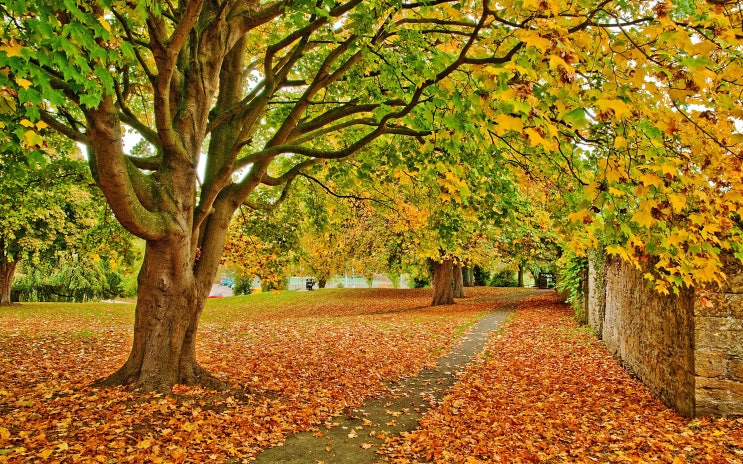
{"x": 652, "y": 334}
{"x": 719, "y": 346}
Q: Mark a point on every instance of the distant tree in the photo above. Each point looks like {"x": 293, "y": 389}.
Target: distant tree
{"x": 48, "y": 208}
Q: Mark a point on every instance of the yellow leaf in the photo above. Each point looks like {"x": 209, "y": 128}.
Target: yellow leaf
{"x": 620, "y": 142}
{"x": 32, "y": 138}
{"x": 578, "y": 216}
{"x": 25, "y": 83}
{"x": 46, "y": 453}
{"x": 644, "y": 215}
{"x": 533, "y": 39}
{"x": 617, "y": 250}
{"x": 63, "y": 446}
{"x": 618, "y": 106}
{"x": 502, "y": 70}
{"x": 678, "y": 201}
{"x": 535, "y": 138}
{"x": 41, "y": 125}
{"x": 662, "y": 287}
{"x": 505, "y": 123}
{"x": 26, "y": 123}
{"x": 4, "y": 433}
{"x": 531, "y": 4}
{"x": 188, "y": 427}
{"x": 104, "y": 23}
{"x": 12, "y": 49}
{"x": 556, "y": 62}
{"x": 144, "y": 444}
{"x": 651, "y": 179}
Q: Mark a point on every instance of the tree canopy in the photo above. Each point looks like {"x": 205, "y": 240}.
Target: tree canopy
{"x": 629, "y": 109}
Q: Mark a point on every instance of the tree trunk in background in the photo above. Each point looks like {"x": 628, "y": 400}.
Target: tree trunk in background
{"x": 322, "y": 282}
{"x": 458, "y": 282}
{"x": 521, "y": 276}
{"x": 443, "y": 273}
{"x": 395, "y": 279}
{"x": 7, "y": 269}
{"x": 468, "y": 277}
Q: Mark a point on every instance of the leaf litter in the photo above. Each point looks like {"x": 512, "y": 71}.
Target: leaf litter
{"x": 548, "y": 391}
{"x": 543, "y": 390}
{"x": 289, "y": 370}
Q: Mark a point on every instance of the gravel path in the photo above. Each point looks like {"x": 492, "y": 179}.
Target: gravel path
{"x": 355, "y": 438}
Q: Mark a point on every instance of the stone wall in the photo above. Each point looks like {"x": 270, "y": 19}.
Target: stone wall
{"x": 652, "y": 334}
{"x": 719, "y": 346}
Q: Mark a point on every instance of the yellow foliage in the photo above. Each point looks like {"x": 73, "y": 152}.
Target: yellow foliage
{"x": 12, "y": 49}
{"x": 533, "y": 39}
{"x": 644, "y": 215}
{"x": 618, "y": 107}
{"x": 25, "y": 83}
{"x": 505, "y": 123}
{"x": 677, "y": 201}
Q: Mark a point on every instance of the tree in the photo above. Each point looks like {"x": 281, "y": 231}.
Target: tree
{"x": 633, "y": 119}
{"x": 270, "y": 90}
{"x": 46, "y": 207}
{"x": 266, "y": 90}
{"x": 262, "y": 244}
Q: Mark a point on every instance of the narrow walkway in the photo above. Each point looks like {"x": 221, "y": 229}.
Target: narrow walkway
{"x": 356, "y": 437}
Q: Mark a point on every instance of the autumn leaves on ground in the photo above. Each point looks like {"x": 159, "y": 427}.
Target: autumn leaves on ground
{"x": 543, "y": 390}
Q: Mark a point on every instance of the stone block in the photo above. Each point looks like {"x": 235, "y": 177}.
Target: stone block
{"x": 721, "y": 305}
{"x": 710, "y": 364}
{"x": 733, "y": 268}
{"x": 718, "y": 397}
{"x": 716, "y": 306}
{"x": 713, "y": 407}
{"x": 735, "y": 369}
{"x": 719, "y": 334}
{"x": 723, "y": 389}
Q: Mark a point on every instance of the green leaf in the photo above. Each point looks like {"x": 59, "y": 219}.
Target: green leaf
{"x": 577, "y": 118}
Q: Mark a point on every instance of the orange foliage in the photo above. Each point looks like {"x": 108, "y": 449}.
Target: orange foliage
{"x": 547, "y": 392}
{"x": 290, "y": 369}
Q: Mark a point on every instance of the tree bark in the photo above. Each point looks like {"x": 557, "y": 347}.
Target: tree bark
{"x": 443, "y": 273}
{"x": 521, "y": 276}
{"x": 458, "y": 282}
{"x": 7, "y": 269}
{"x": 468, "y": 277}
{"x": 169, "y": 303}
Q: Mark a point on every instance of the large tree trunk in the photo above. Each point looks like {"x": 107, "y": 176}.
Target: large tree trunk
{"x": 443, "y": 273}
{"x": 7, "y": 269}
{"x": 170, "y": 300}
{"x": 458, "y": 282}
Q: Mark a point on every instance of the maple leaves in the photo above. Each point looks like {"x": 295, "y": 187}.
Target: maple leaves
{"x": 543, "y": 390}
{"x": 292, "y": 367}
{"x": 548, "y": 391}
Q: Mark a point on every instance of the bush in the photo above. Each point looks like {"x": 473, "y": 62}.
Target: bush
{"x": 242, "y": 286}
{"x": 504, "y": 279}
{"x": 571, "y": 275}
{"x": 421, "y": 281}
{"x": 70, "y": 280}
{"x": 480, "y": 275}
